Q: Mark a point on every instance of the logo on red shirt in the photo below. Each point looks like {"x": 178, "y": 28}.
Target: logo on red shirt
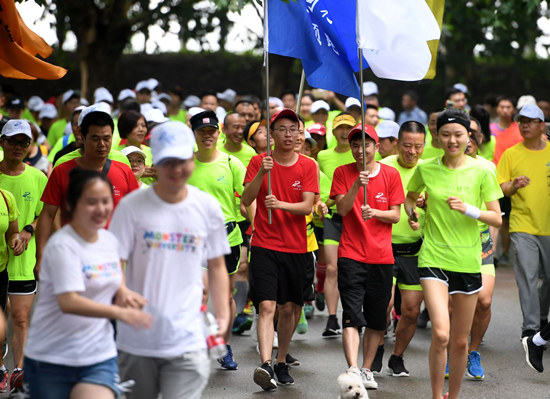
{"x": 297, "y": 185}
{"x": 380, "y": 198}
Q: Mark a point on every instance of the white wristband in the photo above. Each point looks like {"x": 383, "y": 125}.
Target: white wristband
{"x": 472, "y": 211}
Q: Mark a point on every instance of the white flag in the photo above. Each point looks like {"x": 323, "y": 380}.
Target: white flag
{"x": 393, "y": 35}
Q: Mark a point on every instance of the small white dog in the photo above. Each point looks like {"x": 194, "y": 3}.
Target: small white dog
{"x": 351, "y": 386}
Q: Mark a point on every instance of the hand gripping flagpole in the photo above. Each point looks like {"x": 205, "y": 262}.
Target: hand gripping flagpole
{"x": 266, "y": 64}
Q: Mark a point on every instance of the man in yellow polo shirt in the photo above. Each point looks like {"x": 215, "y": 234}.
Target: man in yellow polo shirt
{"x": 524, "y": 175}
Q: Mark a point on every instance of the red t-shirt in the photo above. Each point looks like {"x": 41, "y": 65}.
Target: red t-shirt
{"x": 367, "y": 241}
{"x": 287, "y": 232}
{"x": 120, "y": 175}
{"x": 505, "y": 138}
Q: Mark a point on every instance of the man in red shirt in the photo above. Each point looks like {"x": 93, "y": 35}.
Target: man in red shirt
{"x": 505, "y": 129}
{"x": 365, "y": 258}
{"x": 278, "y": 261}
{"x": 96, "y": 125}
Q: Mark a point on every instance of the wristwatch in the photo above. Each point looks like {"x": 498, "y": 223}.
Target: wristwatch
{"x": 29, "y": 229}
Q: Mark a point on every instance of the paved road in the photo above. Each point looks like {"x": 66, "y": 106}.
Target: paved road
{"x": 506, "y": 373}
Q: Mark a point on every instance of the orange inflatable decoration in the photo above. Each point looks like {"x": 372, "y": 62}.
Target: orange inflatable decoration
{"x": 19, "y": 46}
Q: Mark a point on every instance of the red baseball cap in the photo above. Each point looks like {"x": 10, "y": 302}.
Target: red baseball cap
{"x": 317, "y": 128}
{"x": 369, "y": 131}
{"x": 285, "y": 113}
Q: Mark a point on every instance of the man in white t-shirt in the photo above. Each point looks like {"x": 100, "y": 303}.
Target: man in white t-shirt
{"x": 165, "y": 234}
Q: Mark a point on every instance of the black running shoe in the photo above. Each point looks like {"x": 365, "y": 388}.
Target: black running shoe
{"x": 263, "y": 376}
{"x": 281, "y": 371}
{"x": 533, "y": 354}
{"x": 527, "y": 333}
{"x": 332, "y": 329}
{"x": 291, "y": 360}
{"x": 396, "y": 367}
{"x": 376, "y": 366}
{"x": 423, "y": 319}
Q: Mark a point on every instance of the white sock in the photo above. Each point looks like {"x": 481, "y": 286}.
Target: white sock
{"x": 537, "y": 340}
{"x": 2, "y": 368}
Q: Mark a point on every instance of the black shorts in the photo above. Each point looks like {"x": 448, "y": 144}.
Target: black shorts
{"x": 277, "y": 276}
{"x": 458, "y": 283}
{"x": 24, "y": 287}
{"x": 319, "y": 234}
{"x": 365, "y": 292}
{"x": 309, "y": 290}
{"x": 232, "y": 259}
{"x": 244, "y": 225}
{"x": 505, "y": 206}
{"x": 406, "y": 270}
{"x": 332, "y": 229}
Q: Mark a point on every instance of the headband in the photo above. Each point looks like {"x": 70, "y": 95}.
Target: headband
{"x": 444, "y": 119}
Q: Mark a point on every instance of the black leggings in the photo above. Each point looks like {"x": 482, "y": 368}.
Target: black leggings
{"x": 545, "y": 332}
{"x": 4, "y": 280}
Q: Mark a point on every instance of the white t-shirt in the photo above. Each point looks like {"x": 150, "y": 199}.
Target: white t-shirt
{"x": 165, "y": 245}
{"x": 71, "y": 264}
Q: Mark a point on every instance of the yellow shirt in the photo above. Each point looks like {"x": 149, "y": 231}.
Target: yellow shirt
{"x": 530, "y": 205}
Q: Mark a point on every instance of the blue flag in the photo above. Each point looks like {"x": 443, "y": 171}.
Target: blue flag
{"x": 322, "y": 33}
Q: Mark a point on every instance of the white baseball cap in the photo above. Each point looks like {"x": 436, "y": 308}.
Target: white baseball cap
{"x": 524, "y": 100}
{"x": 165, "y": 97}
{"x": 227, "y": 95}
{"x": 68, "y": 95}
{"x": 160, "y": 105}
{"x": 48, "y": 111}
{"x": 155, "y": 115}
{"x": 350, "y": 102}
{"x": 152, "y": 83}
{"x": 172, "y": 139}
{"x": 387, "y": 129}
{"x": 531, "y": 111}
{"x": 132, "y": 149}
{"x": 191, "y": 101}
{"x": 35, "y": 104}
{"x": 14, "y": 127}
{"x": 142, "y": 85}
{"x": 462, "y": 87}
{"x": 370, "y": 88}
{"x": 194, "y": 111}
{"x": 101, "y": 94}
{"x": 99, "y": 107}
{"x": 386, "y": 114}
{"x": 126, "y": 93}
{"x": 319, "y": 105}
{"x": 277, "y": 101}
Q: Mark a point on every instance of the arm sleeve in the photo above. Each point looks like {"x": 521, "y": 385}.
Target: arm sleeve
{"x": 122, "y": 226}
{"x": 253, "y": 168}
{"x": 53, "y": 192}
{"x": 338, "y": 183}
{"x": 310, "y": 176}
{"x": 63, "y": 265}
{"x": 504, "y": 174}
{"x": 14, "y": 212}
{"x": 396, "y": 194}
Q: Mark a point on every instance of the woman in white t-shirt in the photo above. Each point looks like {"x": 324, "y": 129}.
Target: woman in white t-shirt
{"x": 70, "y": 349}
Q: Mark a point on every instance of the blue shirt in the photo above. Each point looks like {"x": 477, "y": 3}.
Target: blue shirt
{"x": 416, "y": 114}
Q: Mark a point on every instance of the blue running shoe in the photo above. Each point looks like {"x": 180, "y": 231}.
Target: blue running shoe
{"x": 241, "y": 324}
{"x": 475, "y": 371}
{"x": 447, "y": 368}
{"x": 227, "y": 362}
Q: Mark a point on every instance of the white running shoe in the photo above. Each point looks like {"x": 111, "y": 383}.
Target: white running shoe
{"x": 368, "y": 379}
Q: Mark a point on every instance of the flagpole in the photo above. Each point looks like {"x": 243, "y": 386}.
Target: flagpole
{"x": 301, "y": 91}
{"x": 362, "y": 118}
{"x": 266, "y": 64}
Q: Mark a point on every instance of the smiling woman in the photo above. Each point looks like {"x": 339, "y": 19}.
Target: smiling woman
{"x": 81, "y": 278}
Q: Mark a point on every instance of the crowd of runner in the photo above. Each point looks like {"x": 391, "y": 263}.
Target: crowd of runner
{"x": 123, "y": 217}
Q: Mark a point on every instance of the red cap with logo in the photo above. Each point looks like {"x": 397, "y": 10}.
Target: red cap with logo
{"x": 369, "y": 131}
